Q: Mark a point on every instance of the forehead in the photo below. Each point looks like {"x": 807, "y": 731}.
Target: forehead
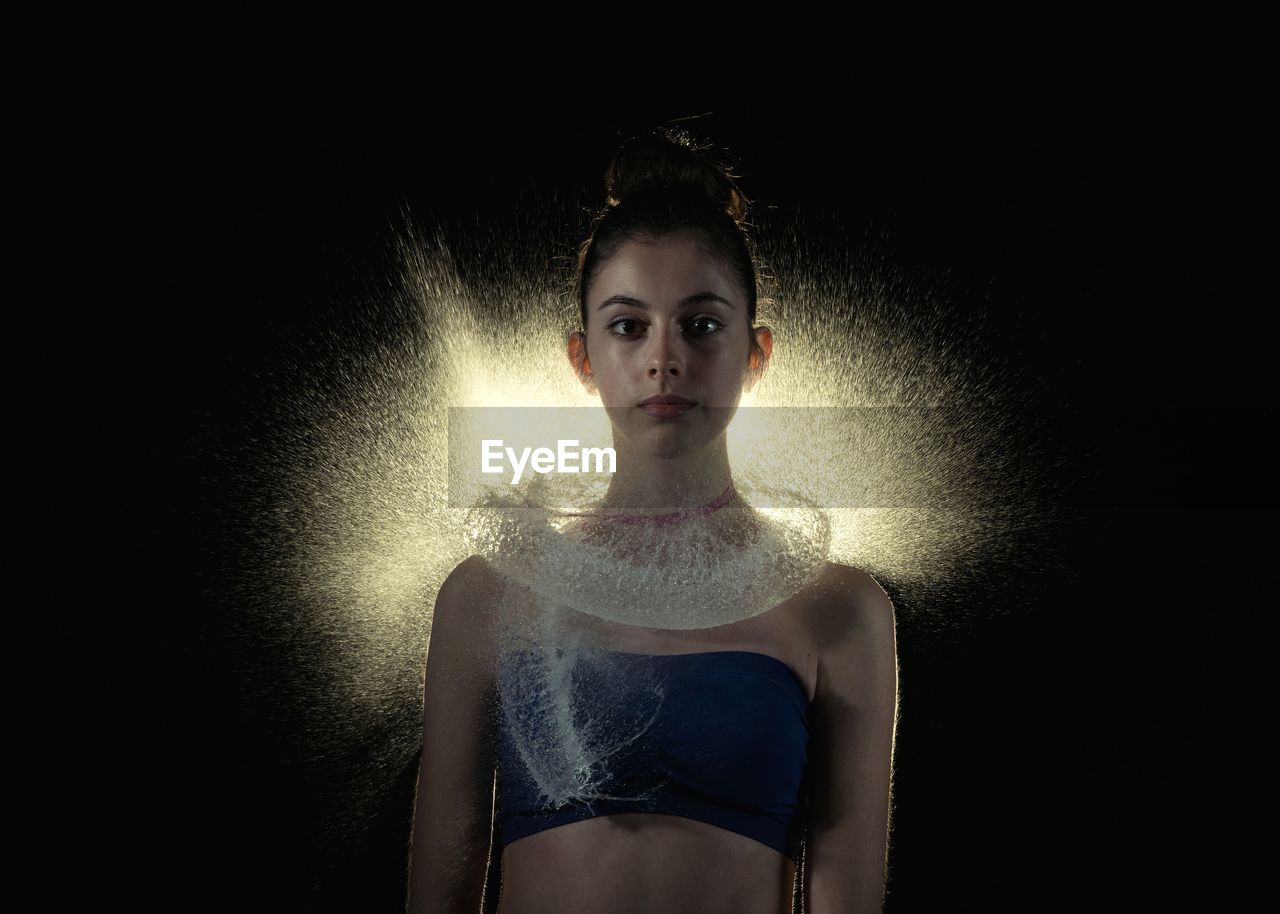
{"x": 662, "y": 273}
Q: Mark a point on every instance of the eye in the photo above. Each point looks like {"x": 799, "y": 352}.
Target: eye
{"x": 714, "y": 320}
{"x": 621, "y": 320}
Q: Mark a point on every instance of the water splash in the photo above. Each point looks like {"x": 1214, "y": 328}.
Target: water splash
{"x": 567, "y": 710}
{"x": 338, "y": 499}
{"x": 701, "y": 573}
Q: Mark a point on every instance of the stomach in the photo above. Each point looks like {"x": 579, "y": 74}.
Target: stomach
{"x": 644, "y": 863}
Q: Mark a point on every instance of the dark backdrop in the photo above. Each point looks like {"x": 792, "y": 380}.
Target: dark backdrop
{"x": 1084, "y": 756}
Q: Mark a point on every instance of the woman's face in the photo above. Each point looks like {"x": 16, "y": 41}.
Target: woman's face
{"x": 665, "y": 319}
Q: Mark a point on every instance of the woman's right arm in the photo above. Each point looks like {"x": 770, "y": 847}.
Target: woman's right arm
{"x": 454, "y": 807}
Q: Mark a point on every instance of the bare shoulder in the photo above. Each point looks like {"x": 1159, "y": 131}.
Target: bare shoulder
{"x": 852, "y": 619}
{"x": 472, "y": 572}
{"x": 464, "y": 607}
{"x": 846, "y": 599}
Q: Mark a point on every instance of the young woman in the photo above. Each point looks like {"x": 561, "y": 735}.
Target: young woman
{"x": 761, "y": 780}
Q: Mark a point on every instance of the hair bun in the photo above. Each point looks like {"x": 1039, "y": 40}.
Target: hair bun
{"x": 669, "y": 161}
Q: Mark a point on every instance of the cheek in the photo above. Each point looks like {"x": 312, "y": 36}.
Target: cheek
{"x": 732, "y": 362}
{"x": 606, "y": 365}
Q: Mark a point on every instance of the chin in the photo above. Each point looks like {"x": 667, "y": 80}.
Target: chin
{"x": 674, "y": 439}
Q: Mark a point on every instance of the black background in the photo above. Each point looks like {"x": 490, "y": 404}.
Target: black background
{"x": 1084, "y": 756}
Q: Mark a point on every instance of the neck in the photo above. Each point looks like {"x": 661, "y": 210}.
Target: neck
{"x": 692, "y": 483}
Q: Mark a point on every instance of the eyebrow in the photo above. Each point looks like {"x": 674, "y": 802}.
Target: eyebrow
{"x": 694, "y": 299}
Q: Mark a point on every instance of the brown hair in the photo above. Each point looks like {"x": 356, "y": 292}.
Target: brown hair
{"x": 663, "y": 183}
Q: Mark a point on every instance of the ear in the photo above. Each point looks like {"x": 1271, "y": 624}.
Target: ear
{"x": 758, "y": 358}
{"x": 577, "y": 347}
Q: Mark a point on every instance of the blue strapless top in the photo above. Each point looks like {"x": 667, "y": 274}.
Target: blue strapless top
{"x": 728, "y": 745}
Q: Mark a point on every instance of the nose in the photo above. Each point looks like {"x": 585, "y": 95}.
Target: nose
{"x": 665, "y": 358}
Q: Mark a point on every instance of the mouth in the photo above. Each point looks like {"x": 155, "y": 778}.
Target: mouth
{"x": 666, "y": 405}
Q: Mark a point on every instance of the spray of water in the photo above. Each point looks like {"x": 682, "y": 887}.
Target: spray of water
{"x": 340, "y": 507}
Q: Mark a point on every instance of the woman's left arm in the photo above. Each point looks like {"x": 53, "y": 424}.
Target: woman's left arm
{"x": 854, "y": 722}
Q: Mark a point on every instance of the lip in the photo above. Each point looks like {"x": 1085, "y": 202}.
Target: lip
{"x": 666, "y": 405}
